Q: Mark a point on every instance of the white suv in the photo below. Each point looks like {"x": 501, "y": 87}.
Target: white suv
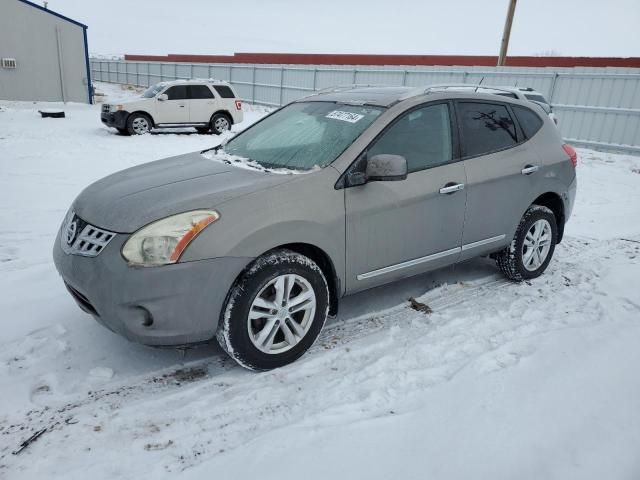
{"x": 526, "y": 94}
{"x": 207, "y": 105}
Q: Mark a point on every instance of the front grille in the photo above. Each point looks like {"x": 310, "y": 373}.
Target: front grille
{"x": 78, "y": 237}
{"x": 106, "y": 108}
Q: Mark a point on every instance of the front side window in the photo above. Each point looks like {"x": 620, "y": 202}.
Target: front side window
{"x": 303, "y": 135}
{"x": 486, "y": 128}
{"x": 422, "y": 136}
{"x": 199, "y": 91}
{"x": 177, "y": 92}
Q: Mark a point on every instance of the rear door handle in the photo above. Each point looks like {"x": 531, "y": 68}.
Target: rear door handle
{"x": 529, "y": 169}
{"x": 452, "y": 188}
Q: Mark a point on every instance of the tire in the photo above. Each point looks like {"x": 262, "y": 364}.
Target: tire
{"x": 262, "y": 342}
{"x": 220, "y": 123}
{"x": 537, "y": 230}
{"x": 139, "y": 124}
{"x": 202, "y": 130}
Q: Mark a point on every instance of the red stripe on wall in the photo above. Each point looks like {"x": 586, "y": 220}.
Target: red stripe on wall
{"x": 349, "y": 59}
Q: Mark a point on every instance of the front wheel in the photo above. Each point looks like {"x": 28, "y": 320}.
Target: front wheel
{"x": 275, "y": 311}
{"x": 532, "y": 247}
{"x": 138, "y": 124}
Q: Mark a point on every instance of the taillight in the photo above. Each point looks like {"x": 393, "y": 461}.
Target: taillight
{"x": 573, "y": 155}
{"x": 238, "y": 105}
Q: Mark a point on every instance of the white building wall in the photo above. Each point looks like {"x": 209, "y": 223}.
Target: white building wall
{"x": 38, "y": 40}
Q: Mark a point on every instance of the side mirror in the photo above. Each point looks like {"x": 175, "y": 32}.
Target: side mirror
{"x": 386, "y": 168}
{"x": 163, "y": 97}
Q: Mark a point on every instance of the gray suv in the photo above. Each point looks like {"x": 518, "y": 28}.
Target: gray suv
{"x": 255, "y": 242}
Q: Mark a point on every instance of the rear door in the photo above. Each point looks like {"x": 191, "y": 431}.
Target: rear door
{"x": 401, "y": 228}
{"x": 501, "y": 174}
{"x": 202, "y": 103}
{"x": 175, "y": 109}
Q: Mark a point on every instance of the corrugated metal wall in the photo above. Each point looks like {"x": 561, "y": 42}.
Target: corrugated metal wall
{"x": 597, "y": 107}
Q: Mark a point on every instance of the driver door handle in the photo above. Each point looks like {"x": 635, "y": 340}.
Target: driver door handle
{"x": 529, "y": 169}
{"x": 452, "y": 188}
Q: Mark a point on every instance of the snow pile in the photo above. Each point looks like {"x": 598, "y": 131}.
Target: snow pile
{"x": 501, "y": 380}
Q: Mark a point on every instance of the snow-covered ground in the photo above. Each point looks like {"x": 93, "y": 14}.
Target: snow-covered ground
{"x": 501, "y": 381}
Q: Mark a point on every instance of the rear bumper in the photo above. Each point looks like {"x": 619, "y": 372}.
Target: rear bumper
{"x": 115, "y": 119}
{"x": 570, "y": 199}
{"x": 237, "y": 116}
{"x": 163, "y": 306}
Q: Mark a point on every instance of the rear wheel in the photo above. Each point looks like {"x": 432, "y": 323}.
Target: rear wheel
{"x": 138, "y": 124}
{"x": 220, "y": 123}
{"x": 532, "y": 247}
{"x": 275, "y": 311}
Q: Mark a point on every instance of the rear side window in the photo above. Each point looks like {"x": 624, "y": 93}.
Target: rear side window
{"x": 422, "y": 136}
{"x": 199, "y": 91}
{"x": 224, "y": 91}
{"x": 486, "y": 128}
{"x": 529, "y": 121}
{"x": 177, "y": 92}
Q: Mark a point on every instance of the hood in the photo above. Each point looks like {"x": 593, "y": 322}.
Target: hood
{"x": 128, "y": 200}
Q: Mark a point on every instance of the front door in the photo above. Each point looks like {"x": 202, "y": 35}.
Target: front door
{"x": 397, "y": 229}
{"x": 176, "y": 108}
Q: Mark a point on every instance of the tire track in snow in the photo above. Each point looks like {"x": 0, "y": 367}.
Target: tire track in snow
{"x": 360, "y": 368}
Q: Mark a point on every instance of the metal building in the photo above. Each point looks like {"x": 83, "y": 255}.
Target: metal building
{"x": 43, "y": 55}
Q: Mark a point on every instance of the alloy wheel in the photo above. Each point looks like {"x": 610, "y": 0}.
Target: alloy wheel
{"x": 140, "y": 125}
{"x": 536, "y": 245}
{"x": 281, "y": 313}
{"x": 221, "y": 124}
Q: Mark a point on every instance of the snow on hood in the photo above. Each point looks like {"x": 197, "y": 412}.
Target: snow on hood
{"x": 219, "y": 155}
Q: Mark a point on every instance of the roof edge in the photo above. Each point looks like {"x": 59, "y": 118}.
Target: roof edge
{"x": 59, "y": 15}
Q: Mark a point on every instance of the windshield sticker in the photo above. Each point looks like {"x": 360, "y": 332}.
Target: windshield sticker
{"x": 345, "y": 116}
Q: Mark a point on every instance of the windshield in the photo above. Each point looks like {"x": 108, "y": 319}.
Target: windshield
{"x": 153, "y": 90}
{"x": 303, "y": 135}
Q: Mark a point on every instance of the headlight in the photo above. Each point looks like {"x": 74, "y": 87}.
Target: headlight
{"x": 162, "y": 242}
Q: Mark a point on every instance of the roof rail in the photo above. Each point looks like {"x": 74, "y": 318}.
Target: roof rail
{"x": 346, "y": 87}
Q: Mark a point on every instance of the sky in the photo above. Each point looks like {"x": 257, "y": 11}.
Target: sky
{"x": 429, "y": 27}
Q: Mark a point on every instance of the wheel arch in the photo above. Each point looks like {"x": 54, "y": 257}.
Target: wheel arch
{"x": 224, "y": 112}
{"x": 553, "y": 202}
{"x": 321, "y": 258}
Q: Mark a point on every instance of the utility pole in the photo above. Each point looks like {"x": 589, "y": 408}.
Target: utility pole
{"x": 507, "y": 33}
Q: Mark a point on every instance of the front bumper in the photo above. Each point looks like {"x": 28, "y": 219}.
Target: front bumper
{"x": 170, "y": 305}
{"x": 115, "y": 119}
